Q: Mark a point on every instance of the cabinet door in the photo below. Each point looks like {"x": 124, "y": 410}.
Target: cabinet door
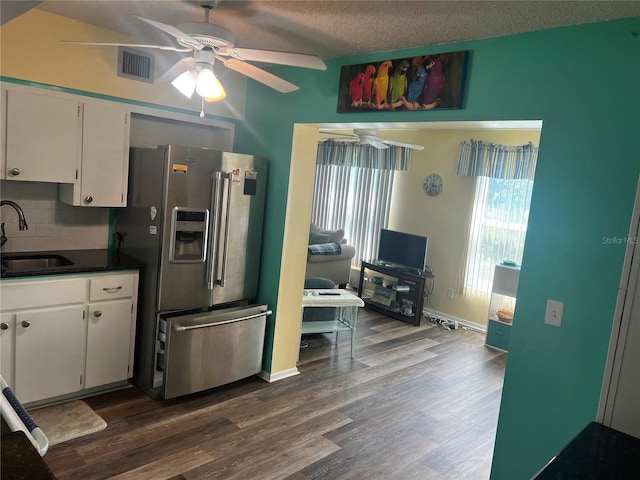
{"x": 49, "y": 358}
{"x": 108, "y": 341}
{"x": 43, "y": 137}
{"x": 3, "y": 135}
{"x": 7, "y": 339}
{"x": 105, "y": 156}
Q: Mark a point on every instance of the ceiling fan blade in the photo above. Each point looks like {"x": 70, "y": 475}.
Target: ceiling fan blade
{"x": 259, "y": 75}
{"x": 377, "y": 143}
{"x": 279, "y": 58}
{"x": 131, "y": 45}
{"x": 338, "y": 134}
{"x": 173, "y": 31}
{"x": 402, "y": 144}
{"x": 177, "y": 68}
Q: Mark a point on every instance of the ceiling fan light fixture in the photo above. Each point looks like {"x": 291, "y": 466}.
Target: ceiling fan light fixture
{"x": 186, "y": 83}
{"x": 208, "y": 86}
{"x": 221, "y": 96}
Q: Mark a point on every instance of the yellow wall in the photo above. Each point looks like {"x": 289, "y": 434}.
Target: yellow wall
{"x": 444, "y": 218}
{"x": 294, "y": 248}
{"x": 31, "y": 50}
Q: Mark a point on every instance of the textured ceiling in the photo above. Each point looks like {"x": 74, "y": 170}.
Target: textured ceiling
{"x": 340, "y": 28}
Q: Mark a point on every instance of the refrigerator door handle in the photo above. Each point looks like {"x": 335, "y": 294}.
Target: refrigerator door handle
{"x": 223, "y": 275}
{"x": 184, "y": 328}
{"x": 212, "y": 262}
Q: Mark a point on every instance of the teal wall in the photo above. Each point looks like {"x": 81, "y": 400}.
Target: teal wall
{"x": 582, "y": 82}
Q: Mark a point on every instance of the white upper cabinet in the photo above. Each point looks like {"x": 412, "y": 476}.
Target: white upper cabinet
{"x": 43, "y": 137}
{"x": 105, "y": 158}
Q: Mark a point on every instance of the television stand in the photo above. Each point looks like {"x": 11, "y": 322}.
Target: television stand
{"x": 398, "y": 292}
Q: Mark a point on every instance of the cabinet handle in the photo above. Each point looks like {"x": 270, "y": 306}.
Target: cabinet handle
{"x": 88, "y": 199}
{"x": 4, "y": 326}
{"x": 112, "y": 289}
{"x": 97, "y": 314}
{"x": 25, "y": 323}
{"x": 15, "y": 172}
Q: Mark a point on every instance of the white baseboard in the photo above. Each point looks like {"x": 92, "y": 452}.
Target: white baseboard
{"x": 467, "y": 323}
{"x": 274, "y": 377}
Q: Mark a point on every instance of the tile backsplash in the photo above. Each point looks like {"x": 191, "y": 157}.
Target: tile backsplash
{"x": 52, "y": 225}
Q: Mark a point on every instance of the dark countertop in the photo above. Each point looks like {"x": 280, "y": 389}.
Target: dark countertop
{"x": 596, "y": 453}
{"x": 20, "y": 459}
{"x": 83, "y": 261}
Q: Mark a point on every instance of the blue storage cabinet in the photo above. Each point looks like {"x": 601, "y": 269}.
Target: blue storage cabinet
{"x": 501, "y": 306}
{"x": 498, "y": 335}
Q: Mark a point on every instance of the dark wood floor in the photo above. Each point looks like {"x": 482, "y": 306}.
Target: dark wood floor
{"x": 416, "y": 403}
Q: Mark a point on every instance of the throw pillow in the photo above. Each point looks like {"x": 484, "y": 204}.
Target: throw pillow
{"x": 334, "y": 236}
{"x": 316, "y": 238}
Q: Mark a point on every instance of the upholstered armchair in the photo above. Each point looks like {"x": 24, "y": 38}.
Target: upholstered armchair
{"x": 329, "y": 256}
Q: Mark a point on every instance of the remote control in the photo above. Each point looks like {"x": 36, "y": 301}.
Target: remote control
{"x": 328, "y": 293}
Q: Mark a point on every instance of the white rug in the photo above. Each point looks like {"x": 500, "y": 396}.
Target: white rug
{"x": 67, "y": 421}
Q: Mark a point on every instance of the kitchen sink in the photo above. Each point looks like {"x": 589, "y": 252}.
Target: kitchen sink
{"x": 31, "y": 262}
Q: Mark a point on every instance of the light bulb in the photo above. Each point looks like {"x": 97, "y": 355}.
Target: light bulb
{"x": 208, "y": 86}
{"x": 185, "y": 83}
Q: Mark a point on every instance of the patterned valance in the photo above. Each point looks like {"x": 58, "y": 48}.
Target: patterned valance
{"x": 355, "y": 154}
{"x": 483, "y": 159}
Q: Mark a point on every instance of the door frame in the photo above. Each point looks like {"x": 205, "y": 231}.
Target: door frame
{"x": 622, "y": 317}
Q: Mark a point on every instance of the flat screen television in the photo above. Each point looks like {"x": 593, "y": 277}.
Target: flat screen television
{"x": 403, "y": 249}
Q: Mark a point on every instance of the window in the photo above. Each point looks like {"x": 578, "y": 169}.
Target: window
{"x": 500, "y": 211}
{"x": 356, "y": 199}
{"x": 498, "y": 229}
{"x": 353, "y": 191}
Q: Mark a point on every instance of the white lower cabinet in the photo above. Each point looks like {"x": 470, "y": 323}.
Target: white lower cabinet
{"x": 49, "y": 352}
{"x": 7, "y": 339}
{"x": 107, "y": 354}
{"x": 67, "y": 334}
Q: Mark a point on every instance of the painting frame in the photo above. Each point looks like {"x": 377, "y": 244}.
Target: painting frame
{"x": 423, "y": 82}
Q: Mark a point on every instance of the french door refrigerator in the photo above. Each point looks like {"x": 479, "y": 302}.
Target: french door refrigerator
{"x": 194, "y": 219}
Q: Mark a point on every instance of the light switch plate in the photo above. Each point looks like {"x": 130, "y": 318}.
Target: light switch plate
{"x": 553, "y": 315}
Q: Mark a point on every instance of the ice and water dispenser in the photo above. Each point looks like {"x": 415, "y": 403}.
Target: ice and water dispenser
{"x": 189, "y": 232}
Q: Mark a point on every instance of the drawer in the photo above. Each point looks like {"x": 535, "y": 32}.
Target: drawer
{"x": 42, "y": 293}
{"x": 498, "y": 334}
{"x": 111, "y": 286}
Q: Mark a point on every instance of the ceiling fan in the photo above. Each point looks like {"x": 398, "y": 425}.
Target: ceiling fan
{"x": 370, "y": 137}
{"x": 208, "y": 43}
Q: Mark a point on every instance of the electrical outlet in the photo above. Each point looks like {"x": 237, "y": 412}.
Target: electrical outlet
{"x": 553, "y": 315}
{"x": 450, "y": 293}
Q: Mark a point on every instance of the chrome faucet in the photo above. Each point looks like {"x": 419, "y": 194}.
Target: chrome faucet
{"x": 22, "y": 223}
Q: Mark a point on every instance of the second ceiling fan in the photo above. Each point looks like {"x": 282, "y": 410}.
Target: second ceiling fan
{"x": 370, "y": 136}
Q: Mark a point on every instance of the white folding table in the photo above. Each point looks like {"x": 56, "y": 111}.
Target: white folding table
{"x": 347, "y": 304}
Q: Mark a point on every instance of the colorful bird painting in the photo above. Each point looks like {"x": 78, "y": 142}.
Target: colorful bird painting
{"x": 435, "y": 83}
{"x": 356, "y": 89}
{"x": 417, "y": 84}
{"x": 398, "y": 81}
{"x": 367, "y": 83}
{"x": 381, "y": 84}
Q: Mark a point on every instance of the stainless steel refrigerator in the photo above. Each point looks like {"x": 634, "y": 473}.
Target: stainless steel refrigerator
{"x": 194, "y": 219}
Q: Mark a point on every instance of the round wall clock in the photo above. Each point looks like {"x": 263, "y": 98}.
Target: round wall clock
{"x": 432, "y": 185}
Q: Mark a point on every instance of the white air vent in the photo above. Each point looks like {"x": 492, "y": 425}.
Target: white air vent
{"x": 135, "y": 65}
